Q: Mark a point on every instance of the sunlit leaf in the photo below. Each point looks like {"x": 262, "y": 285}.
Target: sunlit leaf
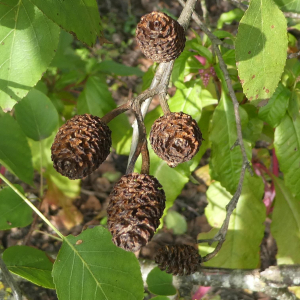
{"x": 225, "y": 163}
{"x": 287, "y": 146}
{"x": 28, "y": 40}
{"x": 286, "y": 219}
{"x": 90, "y": 266}
{"x": 241, "y": 248}
{"x": 160, "y": 283}
{"x": 261, "y": 49}
{"x": 191, "y": 100}
{"x": 176, "y": 222}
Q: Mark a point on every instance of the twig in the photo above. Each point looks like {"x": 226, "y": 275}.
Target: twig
{"x": 212, "y": 37}
{"x": 115, "y": 112}
{"x": 144, "y": 108}
{"x": 145, "y": 158}
{"x": 220, "y": 236}
{"x": 293, "y": 55}
{"x": 205, "y": 12}
{"x": 238, "y": 4}
{"x": 164, "y": 83}
{"x": 142, "y": 143}
{"x": 291, "y": 15}
{"x": 32, "y": 206}
{"x": 10, "y": 280}
{"x": 162, "y": 75}
{"x": 244, "y": 7}
{"x": 32, "y": 226}
{"x": 49, "y": 235}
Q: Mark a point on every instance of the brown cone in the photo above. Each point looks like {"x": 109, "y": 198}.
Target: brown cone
{"x": 136, "y": 204}
{"x": 160, "y": 37}
{"x": 178, "y": 259}
{"x": 80, "y": 146}
{"x": 175, "y": 138}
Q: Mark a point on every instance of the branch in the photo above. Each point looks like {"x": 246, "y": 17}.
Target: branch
{"x": 220, "y": 236}
{"x": 212, "y": 37}
{"x": 273, "y": 281}
{"x": 161, "y": 79}
{"x": 10, "y": 280}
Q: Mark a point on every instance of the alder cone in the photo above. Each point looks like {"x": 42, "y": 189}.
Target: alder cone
{"x": 80, "y": 146}
{"x": 136, "y": 204}
{"x": 175, "y": 138}
{"x": 178, "y": 259}
{"x": 160, "y": 37}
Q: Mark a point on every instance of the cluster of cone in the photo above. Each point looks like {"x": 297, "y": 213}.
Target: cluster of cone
{"x": 137, "y": 201}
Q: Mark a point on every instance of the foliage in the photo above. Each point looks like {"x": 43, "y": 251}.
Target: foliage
{"x": 46, "y": 77}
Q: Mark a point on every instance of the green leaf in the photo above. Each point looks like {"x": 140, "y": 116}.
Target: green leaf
{"x": 160, "y": 283}
{"x": 81, "y": 18}
{"x": 191, "y": 100}
{"x": 96, "y": 99}
{"x": 261, "y": 49}
{"x": 288, "y": 5}
{"x": 204, "y": 125}
{"x": 276, "y": 108}
{"x": 112, "y": 67}
{"x": 70, "y": 188}
{"x": 31, "y": 264}
{"x": 172, "y": 179}
{"x": 176, "y": 222}
{"x": 28, "y": 40}
{"x": 287, "y": 146}
{"x": 226, "y": 164}
{"x": 202, "y": 51}
{"x": 14, "y": 212}
{"x": 90, "y": 266}
{"x": 242, "y": 246}
{"x": 221, "y": 34}
{"x": 267, "y": 134}
{"x": 66, "y": 57}
{"x": 228, "y": 17}
{"x": 36, "y": 115}
{"x": 229, "y": 57}
{"x": 15, "y": 153}
{"x": 148, "y": 77}
{"x": 180, "y": 65}
{"x": 160, "y": 298}
{"x": 253, "y": 129}
{"x": 285, "y": 226}
{"x": 293, "y": 109}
